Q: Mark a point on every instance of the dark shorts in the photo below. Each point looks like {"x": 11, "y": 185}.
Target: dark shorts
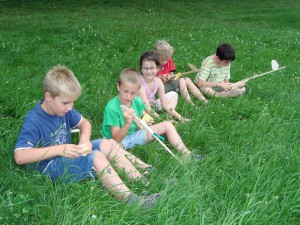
{"x": 172, "y": 85}
{"x": 71, "y": 169}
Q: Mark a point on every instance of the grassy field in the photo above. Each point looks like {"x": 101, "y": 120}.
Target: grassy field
{"x": 251, "y": 171}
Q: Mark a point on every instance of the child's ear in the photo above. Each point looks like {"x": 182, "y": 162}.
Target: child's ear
{"x": 118, "y": 86}
{"x": 48, "y": 96}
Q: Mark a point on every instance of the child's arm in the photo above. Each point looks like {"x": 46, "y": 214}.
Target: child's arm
{"x": 143, "y": 96}
{"x": 147, "y": 119}
{"x": 165, "y": 78}
{"x": 164, "y": 102}
{"x": 118, "y": 133}
{"x": 225, "y": 85}
{"x": 32, "y": 155}
{"x": 85, "y": 128}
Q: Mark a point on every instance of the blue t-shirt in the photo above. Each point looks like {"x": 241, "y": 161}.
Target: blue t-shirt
{"x": 41, "y": 129}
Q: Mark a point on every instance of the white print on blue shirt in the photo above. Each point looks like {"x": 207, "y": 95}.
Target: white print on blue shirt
{"x": 59, "y": 136}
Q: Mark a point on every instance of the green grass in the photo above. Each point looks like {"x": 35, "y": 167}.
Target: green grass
{"x": 251, "y": 173}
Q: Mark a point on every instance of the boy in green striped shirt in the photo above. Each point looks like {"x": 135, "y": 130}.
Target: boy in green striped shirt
{"x": 213, "y": 77}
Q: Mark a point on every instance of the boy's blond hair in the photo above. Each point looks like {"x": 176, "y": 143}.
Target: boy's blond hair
{"x": 130, "y": 75}
{"x": 61, "y": 81}
{"x": 162, "y": 47}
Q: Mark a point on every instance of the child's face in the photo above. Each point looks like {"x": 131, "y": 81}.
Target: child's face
{"x": 59, "y": 105}
{"x": 149, "y": 70}
{"x": 163, "y": 59}
{"x": 223, "y": 62}
{"x": 127, "y": 92}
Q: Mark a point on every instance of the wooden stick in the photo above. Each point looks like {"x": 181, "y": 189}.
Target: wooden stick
{"x": 142, "y": 124}
{"x": 178, "y": 75}
{"x": 237, "y": 84}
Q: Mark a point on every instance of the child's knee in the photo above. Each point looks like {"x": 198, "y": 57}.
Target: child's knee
{"x": 182, "y": 82}
{"x": 100, "y": 155}
{"x": 168, "y": 125}
{"x": 209, "y": 91}
{"x": 188, "y": 80}
{"x": 107, "y": 144}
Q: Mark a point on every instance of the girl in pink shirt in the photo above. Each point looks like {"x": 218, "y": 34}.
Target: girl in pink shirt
{"x": 151, "y": 85}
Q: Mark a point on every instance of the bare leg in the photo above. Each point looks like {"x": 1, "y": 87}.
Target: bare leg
{"x": 194, "y": 90}
{"x": 232, "y": 93}
{"x": 123, "y": 159}
{"x": 184, "y": 91}
{"x": 174, "y": 139}
{"x": 110, "y": 179}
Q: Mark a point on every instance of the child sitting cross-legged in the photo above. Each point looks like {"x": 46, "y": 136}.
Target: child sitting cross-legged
{"x": 119, "y": 125}
{"x": 214, "y": 75}
{"x": 151, "y": 85}
{"x": 45, "y": 142}
{"x": 167, "y": 68}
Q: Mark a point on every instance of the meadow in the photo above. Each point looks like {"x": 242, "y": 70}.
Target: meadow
{"x": 251, "y": 171}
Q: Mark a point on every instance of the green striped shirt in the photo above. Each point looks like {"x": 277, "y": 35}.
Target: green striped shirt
{"x": 212, "y": 72}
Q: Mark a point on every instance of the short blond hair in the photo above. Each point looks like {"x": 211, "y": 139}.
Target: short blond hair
{"x": 61, "y": 81}
{"x": 162, "y": 47}
{"x": 130, "y": 75}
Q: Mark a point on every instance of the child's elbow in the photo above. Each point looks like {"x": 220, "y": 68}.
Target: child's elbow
{"x": 18, "y": 157}
{"x": 115, "y": 138}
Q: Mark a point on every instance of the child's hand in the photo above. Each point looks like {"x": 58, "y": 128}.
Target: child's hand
{"x": 150, "y": 122}
{"x": 128, "y": 115}
{"x": 226, "y": 86}
{"x": 86, "y": 148}
{"x": 148, "y": 119}
{"x": 71, "y": 151}
{"x": 165, "y": 78}
{"x": 241, "y": 84}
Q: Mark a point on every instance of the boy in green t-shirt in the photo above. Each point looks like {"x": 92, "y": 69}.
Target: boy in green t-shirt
{"x": 120, "y": 126}
{"x": 213, "y": 77}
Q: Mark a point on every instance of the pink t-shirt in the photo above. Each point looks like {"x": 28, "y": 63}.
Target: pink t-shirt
{"x": 167, "y": 68}
{"x": 150, "y": 93}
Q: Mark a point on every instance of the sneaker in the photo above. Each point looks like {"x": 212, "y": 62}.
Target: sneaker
{"x": 149, "y": 201}
{"x": 146, "y": 201}
{"x": 197, "y": 158}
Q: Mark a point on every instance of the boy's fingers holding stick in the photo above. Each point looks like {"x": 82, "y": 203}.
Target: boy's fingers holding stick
{"x": 85, "y": 148}
{"x": 128, "y": 115}
{"x": 71, "y": 151}
{"x": 225, "y": 86}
